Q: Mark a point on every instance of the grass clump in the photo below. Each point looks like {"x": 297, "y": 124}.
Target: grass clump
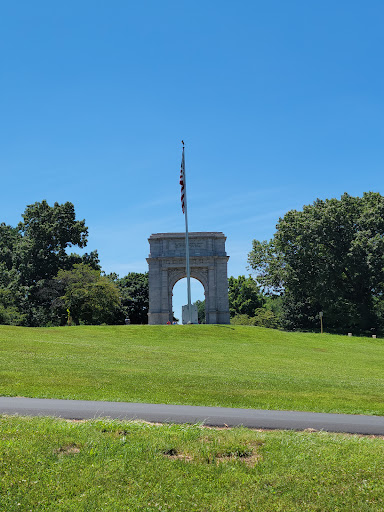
{"x": 54, "y": 465}
{"x": 230, "y": 366}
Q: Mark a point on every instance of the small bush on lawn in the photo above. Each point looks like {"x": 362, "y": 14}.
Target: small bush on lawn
{"x": 263, "y": 318}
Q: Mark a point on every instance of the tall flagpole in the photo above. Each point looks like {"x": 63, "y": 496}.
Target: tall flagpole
{"x": 187, "y": 239}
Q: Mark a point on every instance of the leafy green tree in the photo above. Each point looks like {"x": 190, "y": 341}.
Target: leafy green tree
{"x": 134, "y": 292}
{"x": 9, "y": 241}
{"x": 90, "y": 297}
{"x": 41, "y": 251}
{"x": 265, "y": 318}
{"x": 328, "y": 257}
{"x": 30, "y": 257}
{"x": 91, "y": 259}
{"x": 273, "y": 303}
{"x": 47, "y": 231}
{"x": 244, "y": 296}
{"x": 200, "y": 311}
{"x": 12, "y": 294}
{"x": 11, "y": 297}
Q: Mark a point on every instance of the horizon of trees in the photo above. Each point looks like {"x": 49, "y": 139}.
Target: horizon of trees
{"x": 327, "y": 257}
{"x": 43, "y": 284}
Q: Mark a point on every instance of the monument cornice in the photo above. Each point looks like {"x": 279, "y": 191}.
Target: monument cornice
{"x": 192, "y": 234}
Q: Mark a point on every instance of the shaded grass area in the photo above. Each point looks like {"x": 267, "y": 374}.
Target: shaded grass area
{"x": 53, "y": 465}
{"x": 232, "y": 366}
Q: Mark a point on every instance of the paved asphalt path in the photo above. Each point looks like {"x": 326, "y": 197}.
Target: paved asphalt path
{"x": 213, "y": 416}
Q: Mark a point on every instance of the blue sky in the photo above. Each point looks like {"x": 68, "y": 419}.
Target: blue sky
{"x": 278, "y": 103}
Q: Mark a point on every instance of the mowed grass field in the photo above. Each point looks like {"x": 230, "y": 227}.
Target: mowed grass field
{"x": 55, "y": 465}
{"x": 49, "y": 464}
{"x": 231, "y": 366}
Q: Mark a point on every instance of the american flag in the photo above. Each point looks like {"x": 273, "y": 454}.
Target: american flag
{"x": 182, "y": 182}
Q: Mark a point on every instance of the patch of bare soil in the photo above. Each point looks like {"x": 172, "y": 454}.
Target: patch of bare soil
{"x": 249, "y": 460}
{"x": 173, "y": 454}
{"x": 69, "y": 449}
{"x": 250, "y": 457}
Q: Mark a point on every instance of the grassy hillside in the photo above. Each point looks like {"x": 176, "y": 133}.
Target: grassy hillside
{"x": 233, "y": 366}
{"x": 55, "y": 465}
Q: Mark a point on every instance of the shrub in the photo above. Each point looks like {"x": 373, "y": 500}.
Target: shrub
{"x": 242, "y": 320}
{"x": 265, "y": 318}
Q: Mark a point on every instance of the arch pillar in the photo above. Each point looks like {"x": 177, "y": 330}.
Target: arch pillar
{"x": 208, "y": 264}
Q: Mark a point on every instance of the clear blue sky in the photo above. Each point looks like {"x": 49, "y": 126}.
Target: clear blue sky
{"x": 278, "y": 102}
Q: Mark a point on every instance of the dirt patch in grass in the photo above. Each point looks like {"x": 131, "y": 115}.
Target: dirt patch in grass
{"x": 173, "y": 454}
{"x": 248, "y": 455}
{"x": 249, "y": 460}
{"x": 70, "y": 449}
{"x": 115, "y": 433}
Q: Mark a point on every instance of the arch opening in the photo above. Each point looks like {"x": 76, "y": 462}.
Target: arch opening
{"x": 180, "y": 298}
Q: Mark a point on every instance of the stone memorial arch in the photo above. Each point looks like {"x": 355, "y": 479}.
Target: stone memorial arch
{"x": 208, "y": 264}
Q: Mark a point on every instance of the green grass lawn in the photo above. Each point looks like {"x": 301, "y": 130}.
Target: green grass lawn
{"x": 233, "y": 366}
{"x": 54, "y": 465}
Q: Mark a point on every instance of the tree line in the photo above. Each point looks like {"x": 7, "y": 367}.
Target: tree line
{"x": 327, "y": 257}
{"x": 42, "y": 283}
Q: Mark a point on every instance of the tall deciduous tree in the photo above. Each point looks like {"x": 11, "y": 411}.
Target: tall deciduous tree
{"x": 244, "y": 296}
{"x": 90, "y": 297}
{"x": 46, "y": 232}
{"x": 200, "y": 311}
{"x": 12, "y": 293}
{"x": 41, "y": 251}
{"x": 9, "y": 241}
{"x": 134, "y": 292}
{"x": 328, "y": 257}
